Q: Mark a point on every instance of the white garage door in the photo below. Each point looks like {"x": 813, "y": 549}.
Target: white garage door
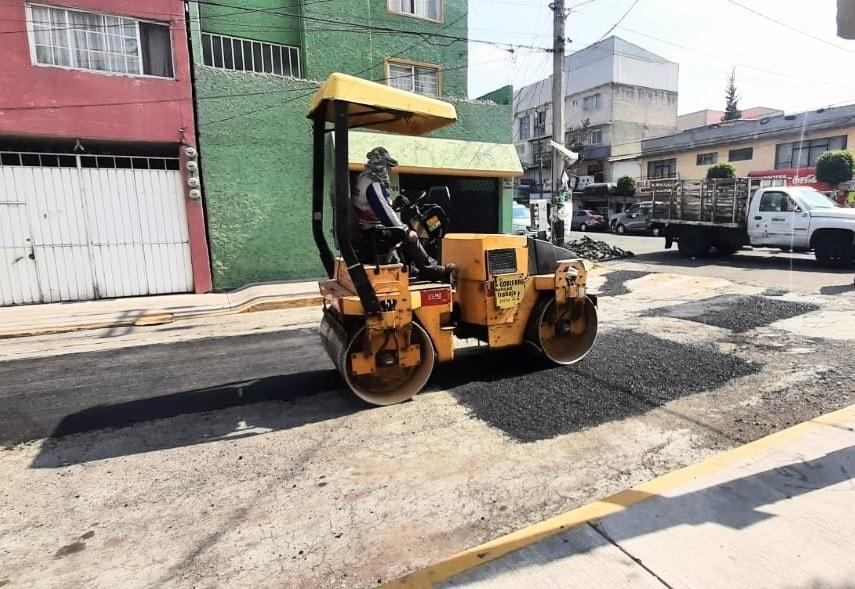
{"x": 78, "y": 227}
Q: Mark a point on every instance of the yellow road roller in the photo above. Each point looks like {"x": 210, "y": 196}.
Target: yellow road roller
{"x": 384, "y": 331}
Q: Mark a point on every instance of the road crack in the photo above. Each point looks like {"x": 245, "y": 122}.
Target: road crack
{"x": 598, "y": 529}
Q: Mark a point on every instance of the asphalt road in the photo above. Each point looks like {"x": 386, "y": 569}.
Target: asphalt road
{"x": 232, "y": 443}
{"x": 75, "y": 392}
{"x": 70, "y": 393}
{"x": 770, "y": 268}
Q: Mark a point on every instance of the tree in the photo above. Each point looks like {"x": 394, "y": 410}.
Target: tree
{"x": 626, "y": 186}
{"x": 834, "y": 167}
{"x": 576, "y": 137}
{"x": 731, "y": 97}
{"x": 722, "y": 170}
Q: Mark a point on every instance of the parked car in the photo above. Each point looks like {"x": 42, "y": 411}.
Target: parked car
{"x": 637, "y": 218}
{"x": 521, "y": 219}
{"x": 600, "y": 189}
{"x": 585, "y": 220}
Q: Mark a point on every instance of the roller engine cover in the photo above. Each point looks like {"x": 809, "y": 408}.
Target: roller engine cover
{"x": 543, "y": 257}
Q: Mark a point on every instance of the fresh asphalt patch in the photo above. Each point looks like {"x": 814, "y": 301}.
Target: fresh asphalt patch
{"x": 626, "y": 373}
{"x": 738, "y": 313}
{"x": 615, "y": 284}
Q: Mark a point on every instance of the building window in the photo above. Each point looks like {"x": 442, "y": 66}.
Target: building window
{"x": 423, "y": 79}
{"x": 232, "y": 53}
{"x": 429, "y": 9}
{"x": 593, "y": 102}
{"x": 805, "y": 153}
{"x": 525, "y": 127}
{"x": 740, "y": 155}
{"x": 99, "y": 42}
{"x": 540, "y": 123}
{"x": 596, "y": 137}
{"x": 706, "y": 159}
{"x": 662, "y": 168}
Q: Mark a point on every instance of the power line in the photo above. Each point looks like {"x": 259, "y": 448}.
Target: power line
{"x": 377, "y": 28}
{"x": 748, "y": 137}
{"x": 718, "y": 57}
{"x": 620, "y": 20}
{"x": 295, "y": 98}
{"x": 357, "y": 28}
{"x": 792, "y": 28}
{"x": 153, "y": 101}
{"x": 370, "y": 67}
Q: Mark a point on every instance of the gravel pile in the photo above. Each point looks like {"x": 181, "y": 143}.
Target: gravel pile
{"x": 626, "y": 373}
{"x": 738, "y": 313}
{"x": 599, "y": 251}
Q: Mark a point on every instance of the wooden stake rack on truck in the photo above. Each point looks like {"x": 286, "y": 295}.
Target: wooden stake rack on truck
{"x": 727, "y": 214}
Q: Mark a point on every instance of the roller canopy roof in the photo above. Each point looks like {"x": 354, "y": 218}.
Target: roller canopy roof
{"x": 380, "y": 107}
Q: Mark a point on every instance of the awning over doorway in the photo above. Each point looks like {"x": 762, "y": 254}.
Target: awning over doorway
{"x": 446, "y": 157}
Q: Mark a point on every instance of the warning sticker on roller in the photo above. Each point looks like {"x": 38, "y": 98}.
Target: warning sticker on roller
{"x": 509, "y": 289}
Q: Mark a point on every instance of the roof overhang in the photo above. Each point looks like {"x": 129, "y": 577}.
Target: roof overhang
{"x": 446, "y": 157}
{"x": 380, "y": 107}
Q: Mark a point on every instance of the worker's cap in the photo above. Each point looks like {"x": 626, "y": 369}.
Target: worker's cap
{"x": 382, "y": 154}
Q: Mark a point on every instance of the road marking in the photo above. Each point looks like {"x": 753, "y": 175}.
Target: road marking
{"x": 474, "y": 557}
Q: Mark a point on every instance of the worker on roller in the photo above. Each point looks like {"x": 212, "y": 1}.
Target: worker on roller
{"x": 374, "y": 212}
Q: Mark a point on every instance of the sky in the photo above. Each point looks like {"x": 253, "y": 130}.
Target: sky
{"x": 803, "y": 67}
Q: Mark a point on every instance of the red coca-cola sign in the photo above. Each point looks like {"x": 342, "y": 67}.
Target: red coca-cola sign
{"x": 805, "y": 176}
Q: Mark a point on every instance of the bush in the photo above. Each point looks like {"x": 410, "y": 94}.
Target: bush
{"x": 626, "y": 186}
{"x": 834, "y": 167}
{"x": 722, "y": 170}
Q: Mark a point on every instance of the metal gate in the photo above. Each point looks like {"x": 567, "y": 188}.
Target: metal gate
{"x": 79, "y": 227}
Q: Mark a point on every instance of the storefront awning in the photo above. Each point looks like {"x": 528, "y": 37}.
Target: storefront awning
{"x": 446, "y": 157}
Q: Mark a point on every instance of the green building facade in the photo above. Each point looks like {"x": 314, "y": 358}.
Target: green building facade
{"x": 255, "y": 70}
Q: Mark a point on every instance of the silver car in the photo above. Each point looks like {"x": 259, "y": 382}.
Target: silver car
{"x": 521, "y": 220}
{"x": 637, "y": 218}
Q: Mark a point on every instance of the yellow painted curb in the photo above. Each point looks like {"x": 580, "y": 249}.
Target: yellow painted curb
{"x": 290, "y": 303}
{"x": 157, "y": 319}
{"x": 474, "y": 557}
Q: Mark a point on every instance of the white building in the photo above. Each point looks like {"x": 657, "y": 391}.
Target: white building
{"x": 625, "y": 92}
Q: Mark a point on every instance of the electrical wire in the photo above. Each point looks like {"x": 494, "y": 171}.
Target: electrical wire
{"x": 620, "y": 20}
{"x": 786, "y": 75}
{"x": 370, "y": 67}
{"x": 789, "y": 27}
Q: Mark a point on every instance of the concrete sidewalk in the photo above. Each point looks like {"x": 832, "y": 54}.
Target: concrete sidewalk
{"x": 778, "y": 512}
{"x": 28, "y": 320}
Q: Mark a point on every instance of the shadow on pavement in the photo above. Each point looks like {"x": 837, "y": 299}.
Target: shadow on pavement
{"x": 222, "y": 412}
{"x": 626, "y": 373}
{"x": 735, "y": 504}
{"x": 836, "y": 290}
{"x": 780, "y": 261}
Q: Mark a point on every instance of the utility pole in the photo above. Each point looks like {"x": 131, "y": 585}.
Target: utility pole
{"x": 560, "y": 215}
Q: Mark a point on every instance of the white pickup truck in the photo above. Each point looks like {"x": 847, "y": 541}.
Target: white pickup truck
{"x": 727, "y": 214}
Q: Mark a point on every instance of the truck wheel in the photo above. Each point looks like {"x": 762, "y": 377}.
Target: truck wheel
{"x": 834, "y": 251}
{"x": 655, "y": 232}
{"x": 694, "y": 243}
{"x": 725, "y": 249}
{"x": 620, "y": 229}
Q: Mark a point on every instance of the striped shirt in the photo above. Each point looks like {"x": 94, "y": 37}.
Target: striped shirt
{"x": 371, "y": 204}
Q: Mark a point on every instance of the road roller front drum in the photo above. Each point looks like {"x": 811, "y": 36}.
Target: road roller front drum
{"x": 563, "y": 334}
{"x": 387, "y": 385}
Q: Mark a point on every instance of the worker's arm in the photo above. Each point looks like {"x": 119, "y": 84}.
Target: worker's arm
{"x": 381, "y": 208}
